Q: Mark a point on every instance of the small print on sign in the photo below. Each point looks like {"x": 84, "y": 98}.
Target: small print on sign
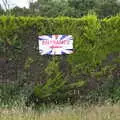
{"x": 55, "y": 44}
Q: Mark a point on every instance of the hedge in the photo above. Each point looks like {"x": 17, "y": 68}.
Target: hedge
{"x": 94, "y": 65}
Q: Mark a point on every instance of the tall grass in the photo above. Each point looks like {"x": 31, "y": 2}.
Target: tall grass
{"x": 97, "y": 112}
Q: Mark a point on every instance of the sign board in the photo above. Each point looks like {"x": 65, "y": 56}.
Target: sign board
{"x": 55, "y": 44}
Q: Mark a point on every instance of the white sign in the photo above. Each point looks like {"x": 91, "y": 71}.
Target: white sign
{"x": 55, "y": 44}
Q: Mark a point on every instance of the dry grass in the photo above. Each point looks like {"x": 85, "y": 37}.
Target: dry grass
{"x": 105, "y": 112}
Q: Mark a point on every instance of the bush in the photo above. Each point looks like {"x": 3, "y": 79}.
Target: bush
{"x": 95, "y": 59}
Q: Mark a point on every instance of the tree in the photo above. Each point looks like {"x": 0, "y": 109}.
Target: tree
{"x": 17, "y": 11}
{"x": 49, "y": 8}
{"x": 71, "y": 8}
{"x": 1, "y": 10}
{"x": 6, "y": 4}
{"x": 108, "y": 8}
{"x": 81, "y": 7}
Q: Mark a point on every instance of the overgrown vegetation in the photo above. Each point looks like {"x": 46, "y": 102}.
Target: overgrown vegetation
{"x": 106, "y": 112}
{"x": 91, "y": 73}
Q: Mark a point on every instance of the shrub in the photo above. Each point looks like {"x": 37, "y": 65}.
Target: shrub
{"x": 95, "y": 58}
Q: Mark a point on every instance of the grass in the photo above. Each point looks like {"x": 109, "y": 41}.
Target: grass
{"x": 98, "y": 112}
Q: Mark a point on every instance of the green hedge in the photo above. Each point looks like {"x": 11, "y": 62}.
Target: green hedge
{"x": 94, "y": 65}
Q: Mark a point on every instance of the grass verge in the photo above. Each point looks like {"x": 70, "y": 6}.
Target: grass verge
{"x": 97, "y": 112}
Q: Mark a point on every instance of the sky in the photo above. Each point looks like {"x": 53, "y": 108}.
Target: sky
{"x": 20, "y": 3}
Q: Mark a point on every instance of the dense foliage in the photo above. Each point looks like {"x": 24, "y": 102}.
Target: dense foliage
{"x": 71, "y": 8}
{"x": 91, "y": 72}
